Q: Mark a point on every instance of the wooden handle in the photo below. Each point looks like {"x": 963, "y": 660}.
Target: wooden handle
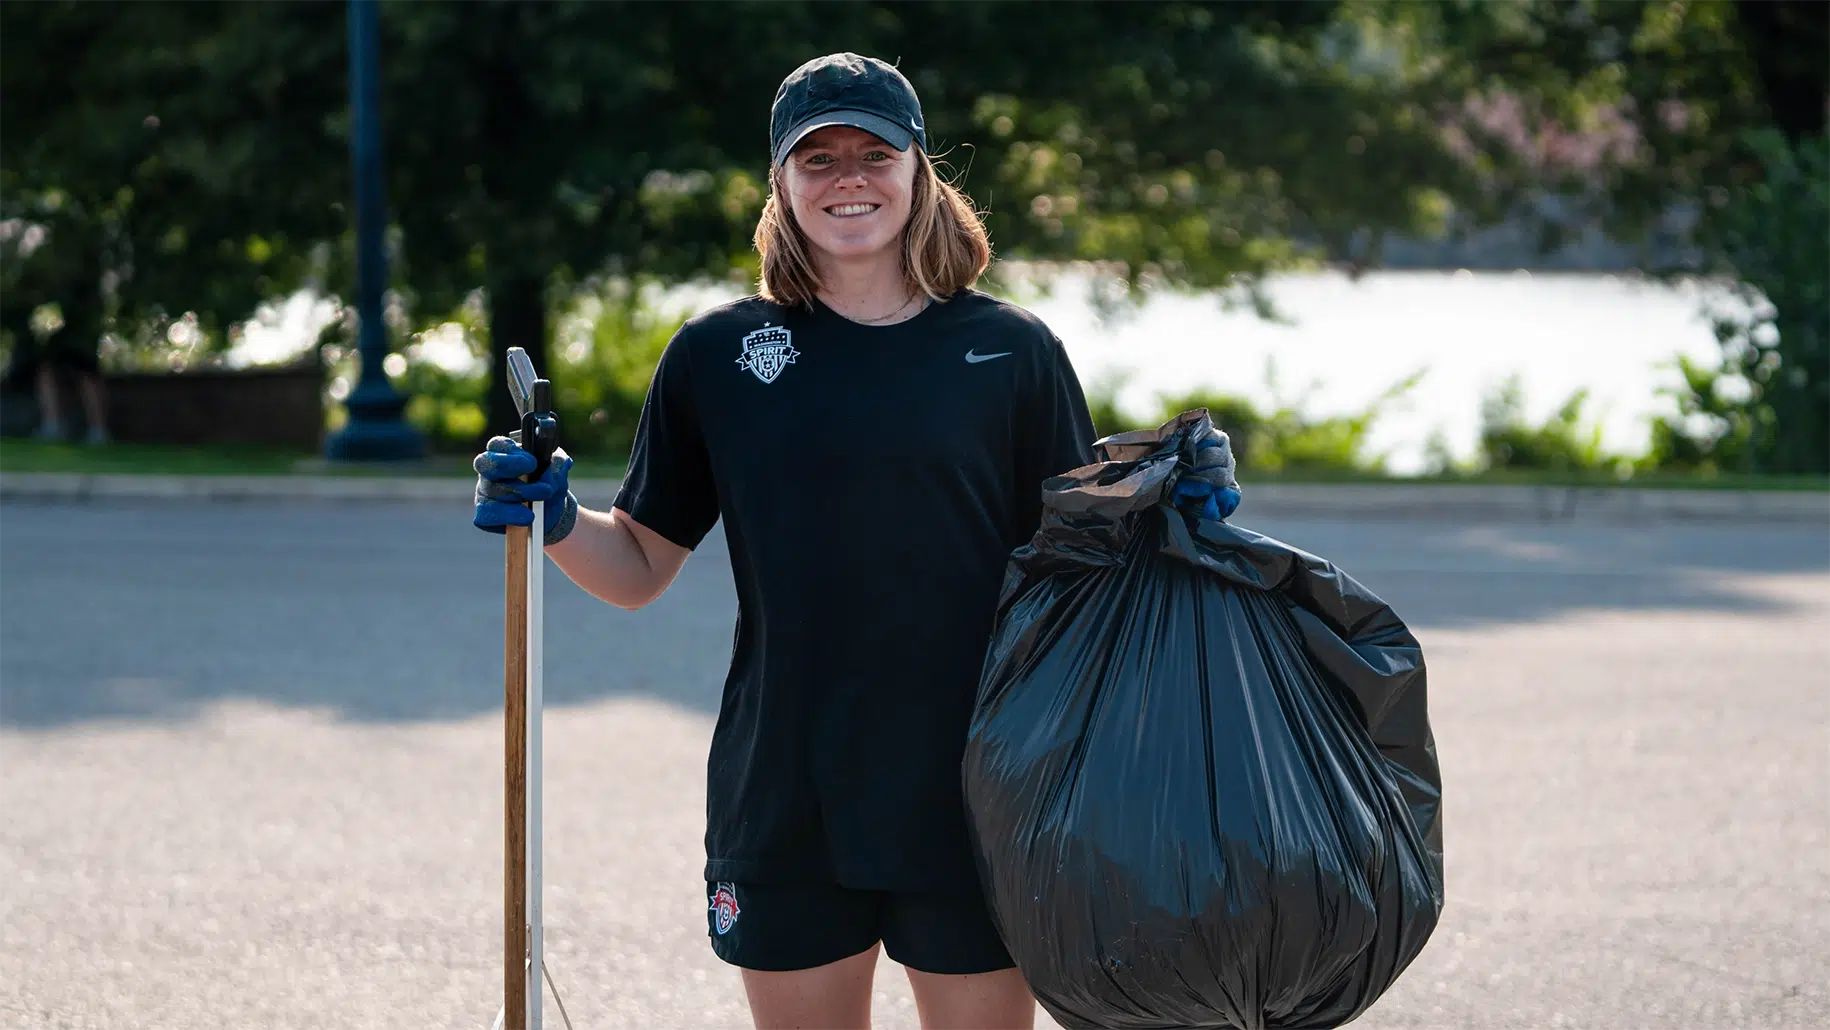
{"x": 514, "y": 767}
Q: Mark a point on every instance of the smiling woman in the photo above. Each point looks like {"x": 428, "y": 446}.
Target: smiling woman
{"x": 873, "y": 433}
{"x": 850, "y": 195}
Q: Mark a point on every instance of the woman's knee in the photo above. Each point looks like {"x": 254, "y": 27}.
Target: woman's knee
{"x": 973, "y": 1001}
{"x": 837, "y": 994}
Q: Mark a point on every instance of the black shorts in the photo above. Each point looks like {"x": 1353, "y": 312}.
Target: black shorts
{"x": 63, "y": 350}
{"x": 780, "y": 927}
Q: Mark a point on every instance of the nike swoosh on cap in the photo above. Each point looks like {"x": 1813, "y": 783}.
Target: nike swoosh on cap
{"x": 974, "y": 359}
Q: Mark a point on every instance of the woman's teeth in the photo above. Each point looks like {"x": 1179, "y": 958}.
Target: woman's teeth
{"x": 847, "y": 210}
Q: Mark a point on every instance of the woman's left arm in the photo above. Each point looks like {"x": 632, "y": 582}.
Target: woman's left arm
{"x": 1055, "y": 432}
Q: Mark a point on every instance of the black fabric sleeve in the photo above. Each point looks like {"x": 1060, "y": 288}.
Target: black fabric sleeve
{"x": 1054, "y": 432}
{"x": 669, "y": 486}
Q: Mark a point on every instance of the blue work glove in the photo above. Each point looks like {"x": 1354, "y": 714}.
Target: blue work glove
{"x": 1207, "y": 490}
{"x": 504, "y": 499}
{"x": 1206, "y": 500}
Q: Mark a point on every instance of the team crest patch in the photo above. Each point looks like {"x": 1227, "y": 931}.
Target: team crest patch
{"x": 724, "y": 908}
{"x": 767, "y": 351}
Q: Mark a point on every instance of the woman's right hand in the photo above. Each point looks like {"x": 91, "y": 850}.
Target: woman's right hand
{"x": 505, "y": 498}
{"x": 611, "y": 556}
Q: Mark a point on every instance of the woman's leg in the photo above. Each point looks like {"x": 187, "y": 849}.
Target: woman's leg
{"x": 973, "y": 1001}
{"x": 808, "y": 951}
{"x": 50, "y": 408}
{"x": 962, "y": 975}
{"x": 835, "y": 996}
{"x": 95, "y": 405}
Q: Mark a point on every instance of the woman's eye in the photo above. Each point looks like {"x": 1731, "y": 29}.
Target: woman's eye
{"x": 876, "y": 155}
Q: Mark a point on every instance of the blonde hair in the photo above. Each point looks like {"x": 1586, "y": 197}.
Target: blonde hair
{"x": 944, "y": 247}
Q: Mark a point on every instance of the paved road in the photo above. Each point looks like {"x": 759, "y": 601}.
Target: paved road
{"x": 249, "y": 763}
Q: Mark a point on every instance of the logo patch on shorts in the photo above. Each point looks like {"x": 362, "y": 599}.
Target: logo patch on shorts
{"x": 724, "y": 908}
{"x": 767, "y": 351}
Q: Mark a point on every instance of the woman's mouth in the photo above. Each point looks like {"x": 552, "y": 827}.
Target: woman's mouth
{"x": 851, "y": 210}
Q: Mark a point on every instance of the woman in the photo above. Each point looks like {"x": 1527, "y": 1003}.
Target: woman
{"x": 874, "y": 433}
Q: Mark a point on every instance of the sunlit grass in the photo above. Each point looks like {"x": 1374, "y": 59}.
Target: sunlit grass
{"x": 216, "y": 460}
{"x": 18, "y": 455}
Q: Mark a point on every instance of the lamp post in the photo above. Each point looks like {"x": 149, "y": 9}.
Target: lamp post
{"x": 375, "y": 431}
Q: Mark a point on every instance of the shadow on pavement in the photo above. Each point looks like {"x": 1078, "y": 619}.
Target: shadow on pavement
{"x": 394, "y": 612}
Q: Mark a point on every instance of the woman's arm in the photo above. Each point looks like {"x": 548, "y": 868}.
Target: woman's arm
{"x": 616, "y": 559}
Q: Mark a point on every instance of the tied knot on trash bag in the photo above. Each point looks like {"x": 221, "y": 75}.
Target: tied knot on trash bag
{"x": 1089, "y": 514}
{"x": 1187, "y": 463}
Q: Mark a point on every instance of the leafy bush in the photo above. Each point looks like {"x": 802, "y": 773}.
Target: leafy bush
{"x": 1235, "y": 416}
{"x": 605, "y": 349}
{"x": 1102, "y": 405}
{"x": 447, "y": 396}
{"x": 445, "y": 405}
{"x": 1289, "y": 441}
{"x": 606, "y": 343}
{"x": 1776, "y": 349}
{"x": 1282, "y": 440}
{"x": 1718, "y": 427}
{"x": 1563, "y": 443}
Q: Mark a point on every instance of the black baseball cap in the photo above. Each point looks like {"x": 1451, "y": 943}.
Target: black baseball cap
{"x": 845, "y": 89}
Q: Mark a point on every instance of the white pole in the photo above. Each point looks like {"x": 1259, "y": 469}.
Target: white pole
{"x": 536, "y": 661}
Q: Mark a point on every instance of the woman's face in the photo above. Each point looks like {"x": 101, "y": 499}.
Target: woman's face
{"x": 850, "y": 191}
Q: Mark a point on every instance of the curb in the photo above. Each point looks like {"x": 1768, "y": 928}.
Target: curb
{"x": 1579, "y": 504}
{"x": 1599, "y": 505}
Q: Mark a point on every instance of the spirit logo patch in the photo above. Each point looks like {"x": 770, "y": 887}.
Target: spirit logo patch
{"x": 724, "y": 908}
{"x": 767, "y": 351}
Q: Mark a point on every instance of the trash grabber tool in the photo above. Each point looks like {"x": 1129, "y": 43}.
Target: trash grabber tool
{"x": 523, "y": 962}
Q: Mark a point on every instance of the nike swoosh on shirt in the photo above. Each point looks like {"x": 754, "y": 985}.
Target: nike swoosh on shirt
{"x": 973, "y": 359}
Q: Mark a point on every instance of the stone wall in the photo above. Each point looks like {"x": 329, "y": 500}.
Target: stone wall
{"x": 279, "y": 407}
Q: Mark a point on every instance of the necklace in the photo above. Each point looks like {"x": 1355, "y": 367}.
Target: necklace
{"x": 880, "y": 319}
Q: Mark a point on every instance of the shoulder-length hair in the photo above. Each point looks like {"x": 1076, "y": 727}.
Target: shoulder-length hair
{"x": 944, "y": 247}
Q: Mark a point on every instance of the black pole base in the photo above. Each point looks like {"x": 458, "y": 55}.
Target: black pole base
{"x": 375, "y": 441}
{"x": 375, "y": 431}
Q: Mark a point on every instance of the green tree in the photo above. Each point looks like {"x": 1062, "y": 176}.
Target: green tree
{"x": 177, "y": 153}
{"x": 1181, "y": 141}
{"x": 1776, "y": 242}
{"x": 1693, "y": 127}
{"x": 530, "y": 146}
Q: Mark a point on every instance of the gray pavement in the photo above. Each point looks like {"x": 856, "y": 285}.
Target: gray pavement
{"x": 250, "y": 769}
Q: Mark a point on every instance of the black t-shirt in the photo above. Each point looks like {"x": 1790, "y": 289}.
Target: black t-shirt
{"x": 873, "y": 482}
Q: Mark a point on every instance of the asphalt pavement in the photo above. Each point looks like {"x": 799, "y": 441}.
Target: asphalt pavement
{"x": 250, "y": 768}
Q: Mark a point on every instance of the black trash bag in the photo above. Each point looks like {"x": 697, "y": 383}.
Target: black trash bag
{"x": 1200, "y": 773}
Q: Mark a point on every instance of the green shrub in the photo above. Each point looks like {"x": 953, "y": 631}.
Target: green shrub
{"x": 445, "y": 405}
{"x": 1563, "y": 443}
{"x": 605, "y": 349}
{"x": 1102, "y": 405}
{"x": 1775, "y": 242}
{"x": 606, "y": 342}
{"x": 1718, "y": 428}
{"x": 1283, "y": 440}
{"x": 1235, "y": 416}
{"x": 445, "y": 401}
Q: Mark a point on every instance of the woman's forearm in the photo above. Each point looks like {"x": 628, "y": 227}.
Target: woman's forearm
{"x": 604, "y": 557}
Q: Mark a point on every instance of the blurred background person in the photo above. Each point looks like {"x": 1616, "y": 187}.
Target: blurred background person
{"x": 72, "y": 348}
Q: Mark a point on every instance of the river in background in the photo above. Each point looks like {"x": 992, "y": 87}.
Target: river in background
{"x": 1344, "y": 343}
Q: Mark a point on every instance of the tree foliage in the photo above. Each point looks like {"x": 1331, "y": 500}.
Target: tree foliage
{"x": 530, "y": 146}
{"x": 201, "y": 149}
{"x": 1694, "y": 128}
{"x": 1767, "y": 406}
